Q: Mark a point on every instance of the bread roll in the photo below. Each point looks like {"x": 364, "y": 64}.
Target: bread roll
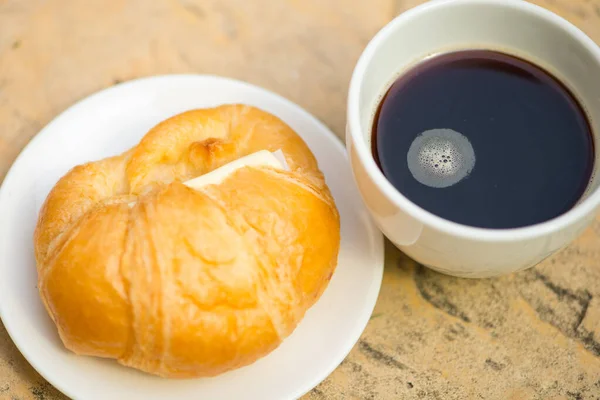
{"x": 180, "y": 282}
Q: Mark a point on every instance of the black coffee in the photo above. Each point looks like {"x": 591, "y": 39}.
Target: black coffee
{"x": 484, "y": 139}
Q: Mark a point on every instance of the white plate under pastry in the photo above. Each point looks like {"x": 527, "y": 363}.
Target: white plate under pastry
{"x": 115, "y": 119}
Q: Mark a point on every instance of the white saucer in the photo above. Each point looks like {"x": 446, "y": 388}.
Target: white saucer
{"x": 112, "y": 121}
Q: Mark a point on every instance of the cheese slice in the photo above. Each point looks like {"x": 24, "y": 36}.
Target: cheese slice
{"x": 262, "y": 158}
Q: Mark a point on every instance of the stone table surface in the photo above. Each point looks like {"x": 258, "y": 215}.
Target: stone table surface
{"x": 530, "y": 335}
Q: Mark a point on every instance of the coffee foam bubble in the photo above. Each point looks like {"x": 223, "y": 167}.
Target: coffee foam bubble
{"x": 440, "y": 158}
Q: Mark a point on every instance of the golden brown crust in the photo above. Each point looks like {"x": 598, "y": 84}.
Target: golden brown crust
{"x": 136, "y": 266}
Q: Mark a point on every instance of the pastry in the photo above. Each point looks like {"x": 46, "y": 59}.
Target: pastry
{"x": 193, "y": 253}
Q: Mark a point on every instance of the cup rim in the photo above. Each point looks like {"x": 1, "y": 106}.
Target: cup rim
{"x": 575, "y": 214}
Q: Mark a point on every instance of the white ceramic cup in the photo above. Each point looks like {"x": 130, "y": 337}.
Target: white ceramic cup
{"x": 511, "y": 26}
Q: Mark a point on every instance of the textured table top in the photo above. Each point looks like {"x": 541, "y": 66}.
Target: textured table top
{"x": 531, "y": 335}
